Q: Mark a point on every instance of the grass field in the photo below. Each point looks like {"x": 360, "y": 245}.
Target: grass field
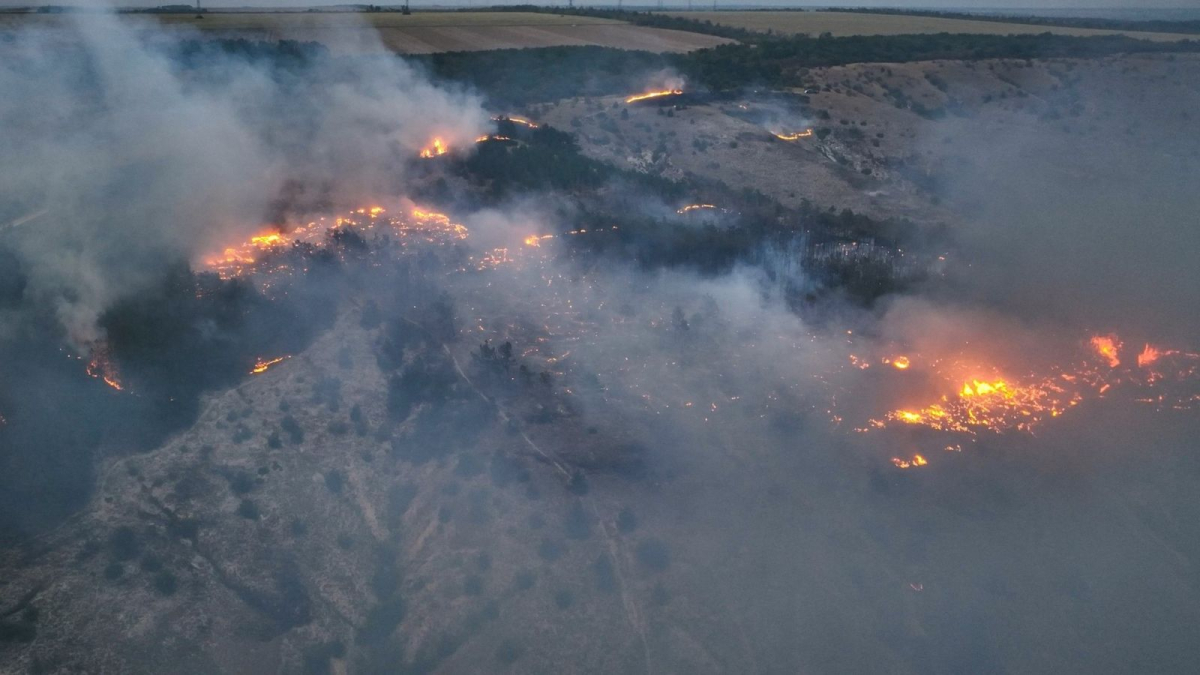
{"x": 424, "y": 32}
{"x": 846, "y": 23}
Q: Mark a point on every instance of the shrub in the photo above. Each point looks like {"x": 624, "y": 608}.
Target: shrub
{"x": 123, "y": 543}
{"x": 654, "y": 555}
{"x": 248, "y": 510}
{"x": 165, "y": 583}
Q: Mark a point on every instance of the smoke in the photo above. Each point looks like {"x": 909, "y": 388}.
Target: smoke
{"x": 1078, "y": 221}
{"x": 730, "y": 408}
{"x": 138, "y": 157}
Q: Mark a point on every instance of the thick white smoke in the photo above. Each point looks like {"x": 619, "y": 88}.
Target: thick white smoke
{"x": 138, "y": 160}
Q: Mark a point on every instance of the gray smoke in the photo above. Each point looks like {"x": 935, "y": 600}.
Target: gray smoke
{"x": 137, "y": 161}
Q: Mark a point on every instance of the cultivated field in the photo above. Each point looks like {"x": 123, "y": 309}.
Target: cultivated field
{"x": 846, "y": 23}
{"x": 427, "y": 32}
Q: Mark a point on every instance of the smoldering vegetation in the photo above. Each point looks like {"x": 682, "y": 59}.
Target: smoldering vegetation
{"x": 650, "y": 424}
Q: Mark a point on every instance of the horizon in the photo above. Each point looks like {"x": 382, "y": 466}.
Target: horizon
{"x": 983, "y": 6}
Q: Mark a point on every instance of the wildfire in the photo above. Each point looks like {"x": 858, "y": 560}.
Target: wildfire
{"x": 794, "y": 136}
{"x": 993, "y": 405}
{"x": 1148, "y": 357}
{"x": 437, "y": 147}
{"x": 268, "y": 240}
{"x": 261, "y": 365}
{"x": 999, "y": 404}
{"x": 269, "y": 251}
{"x": 694, "y": 207}
{"x": 653, "y": 94}
{"x": 917, "y": 460}
{"x": 516, "y": 120}
{"x": 901, "y": 363}
{"x": 535, "y": 241}
{"x": 101, "y": 367}
{"x": 1109, "y": 347}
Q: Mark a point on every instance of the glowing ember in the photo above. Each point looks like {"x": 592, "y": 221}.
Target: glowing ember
{"x": 262, "y": 365}
{"x": 694, "y": 207}
{"x": 901, "y": 363}
{"x": 794, "y": 136}
{"x": 654, "y": 94}
{"x": 1109, "y": 347}
{"x": 437, "y": 147}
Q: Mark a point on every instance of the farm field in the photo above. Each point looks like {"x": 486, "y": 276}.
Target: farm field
{"x": 844, "y": 23}
{"x": 429, "y": 32}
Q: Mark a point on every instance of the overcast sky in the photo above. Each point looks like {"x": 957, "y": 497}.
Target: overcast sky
{"x": 944, "y": 4}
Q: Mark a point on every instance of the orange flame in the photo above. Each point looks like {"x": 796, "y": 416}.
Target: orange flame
{"x": 1148, "y": 356}
{"x": 694, "y": 207}
{"x": 516, "y": 120}
{"x": 795, "y": 136}
{"x": 268, "y": 240}
{"x": 262, "y": 365}
{"x": 1109, "y": 347}
{"x": 437, "y": 147}
{"x": 536, "y": 241}
{"x": 1000, "y": 404}
{"x": 901, "y": 363}
{"x": 653, "y": 94}
{"x": 101, "y": 366}
{"x": 917, "y": 460}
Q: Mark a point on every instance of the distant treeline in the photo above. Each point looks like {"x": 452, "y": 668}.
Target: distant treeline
{"x": 516, "y": 77}
{"x": 651, "y": 19}
{"x": 782, "y": 62}
{"x": 1152, "y": 26}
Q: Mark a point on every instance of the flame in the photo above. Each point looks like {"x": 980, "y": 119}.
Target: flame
{"x": 694, "y": 207}
{"x": 435, "y": 148}
{"x": 653, "y": 94}
{"x": 516, "y": 120}
{"x": 269, "y": 251}
{"x": 1000, "y": 404}
{"x": 993, "y": 405}
{"x": 536, "y": 241}
{"x": 261, "y": 365}
{"x": 901, "y": 363}
{"x": 794, "y": 136}
{"x": 1109, "y": 347}
{"x": 917, "y": 460}
{"x": 268, "y": 240}
{"x": 101, "y": 366}
{"x": 1148, "y": 356}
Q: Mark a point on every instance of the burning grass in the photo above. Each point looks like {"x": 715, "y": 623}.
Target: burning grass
{"x": 985, "y": 400}
{"x": 653, "y": 95}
